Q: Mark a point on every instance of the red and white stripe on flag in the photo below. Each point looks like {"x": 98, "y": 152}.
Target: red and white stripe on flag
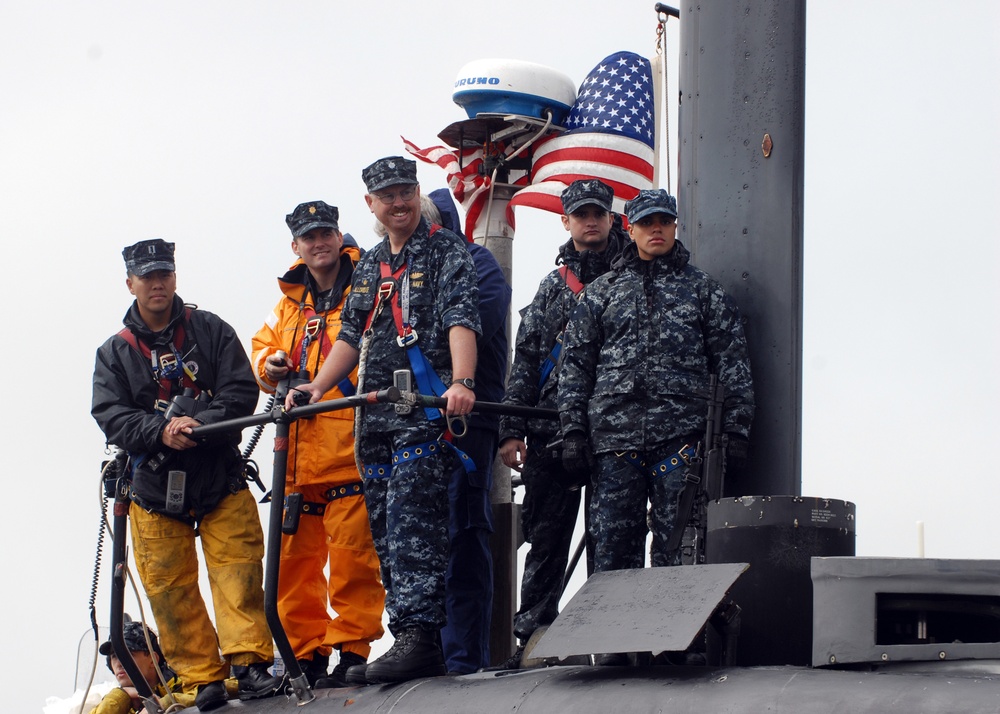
{"x": 468, "y": 187}
{"x": 625, "y": 164}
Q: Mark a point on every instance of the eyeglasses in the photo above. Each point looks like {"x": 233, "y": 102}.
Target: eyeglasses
{"x": 405, "y": 193}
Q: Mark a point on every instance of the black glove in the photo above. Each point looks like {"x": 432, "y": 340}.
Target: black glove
{"x": 577, "y": 459}
{"x": 737, "y": 452}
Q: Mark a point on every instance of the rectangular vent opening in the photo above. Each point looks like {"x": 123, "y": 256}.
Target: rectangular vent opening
{"x": 914, "y": 619}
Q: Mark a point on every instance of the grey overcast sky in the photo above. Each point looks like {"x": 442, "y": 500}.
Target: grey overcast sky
{"x": 204, "y": 123}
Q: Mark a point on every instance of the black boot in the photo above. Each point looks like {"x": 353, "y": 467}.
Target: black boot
{"x": 210, "y": 696}
{"x": 514, "y": 661}
{"x": 414, "y": 654}
{"x": 338, "y": 677}
{"x": 315, "y": 668}
{"x": 255, "y": 681}
{"x": 356, "y": 675}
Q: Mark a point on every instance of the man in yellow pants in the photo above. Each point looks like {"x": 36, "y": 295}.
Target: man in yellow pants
{"x": 169, "y": 354}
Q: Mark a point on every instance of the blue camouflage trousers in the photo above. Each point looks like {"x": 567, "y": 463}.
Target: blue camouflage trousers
{"x": 408, "y": 513}
{"x": 619, "y": 519}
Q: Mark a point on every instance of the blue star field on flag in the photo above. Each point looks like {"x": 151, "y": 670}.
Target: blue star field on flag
{"x": 616, "y": 97}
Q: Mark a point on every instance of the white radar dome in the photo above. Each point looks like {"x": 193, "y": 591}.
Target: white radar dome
{"x": 504, "y": 86}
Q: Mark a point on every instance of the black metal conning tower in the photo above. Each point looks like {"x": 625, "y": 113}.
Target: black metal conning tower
{"x": 740, "y": 195}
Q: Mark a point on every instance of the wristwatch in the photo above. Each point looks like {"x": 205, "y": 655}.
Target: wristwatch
{"x": 467, "y": 383}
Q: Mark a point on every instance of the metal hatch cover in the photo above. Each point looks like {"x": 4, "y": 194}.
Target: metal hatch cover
{"x": 643, "y": 610}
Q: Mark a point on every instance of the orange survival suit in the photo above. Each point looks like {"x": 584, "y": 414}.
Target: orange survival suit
{"x": 333, "y": 520}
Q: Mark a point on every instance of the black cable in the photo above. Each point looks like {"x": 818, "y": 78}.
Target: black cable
{"x": 255, "y": 437}
{"x": 103, "y": 528}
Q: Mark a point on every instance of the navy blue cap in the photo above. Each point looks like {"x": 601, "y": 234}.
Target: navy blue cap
{"x": 585, "y": 192}
{"x": 135, "y": 640}
{"x": 314, "y": 214}
{"x": 649, "y": 202}
{"x": 149, "y": 255}
{"x": 390, "y": 171}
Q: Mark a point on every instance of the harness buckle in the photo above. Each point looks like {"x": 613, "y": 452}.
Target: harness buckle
{"x": 386, "y": 288}
{"x": 170, "y": 366}
{"x": 313, "y": 326}
{"x": 408, "y": 339}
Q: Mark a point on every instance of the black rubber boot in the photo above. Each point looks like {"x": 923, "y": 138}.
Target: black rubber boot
{"x": 314, "y": 668}
{"x": 356, "y": 675}
{"x": 210, "y": 696}
{"x": 256, "y": 682}
{"x": 338, "y": 677}
{"x": 514, "y": 661}
{"x": 414, "y": 654}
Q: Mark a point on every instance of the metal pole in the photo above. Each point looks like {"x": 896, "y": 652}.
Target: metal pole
{"x": 296, "y": 677}
{"x": 499, "y": 240}
{"x": 119, "y": 576}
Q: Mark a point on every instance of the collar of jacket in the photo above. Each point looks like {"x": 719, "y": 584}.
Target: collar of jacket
{"x": 415, "y": 243}
{"x": 294, "y": 279}
{"x": 673, "y": 261}
{"x": 133, "y": 321}
{"x": 596, "y": 263}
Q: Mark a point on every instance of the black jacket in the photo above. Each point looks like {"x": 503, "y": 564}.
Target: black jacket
{"x": 125, "y": 394}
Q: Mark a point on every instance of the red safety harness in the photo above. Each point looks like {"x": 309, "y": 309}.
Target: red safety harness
{"x": 394, "y": 289}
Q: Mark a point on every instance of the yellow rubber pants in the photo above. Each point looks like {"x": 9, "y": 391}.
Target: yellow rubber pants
{"x": 233, "y": 545}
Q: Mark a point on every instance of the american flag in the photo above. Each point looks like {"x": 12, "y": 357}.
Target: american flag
{"x": 611, "y": 128}
{"x": 467, "y": 186}
{"x": 610, "y": 137}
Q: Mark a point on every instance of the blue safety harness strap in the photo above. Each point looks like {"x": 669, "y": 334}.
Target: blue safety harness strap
{"x": 377, "y": 470}
{"x": 429, "y": 448}
{"x": 550, "y": 362}
{"x": 347, "y": 387}
{"x": 683, "y": 456}
{"x": 355, "y": 488}
{"x": 419, "y": 451}
{"x": 427, "y": 380}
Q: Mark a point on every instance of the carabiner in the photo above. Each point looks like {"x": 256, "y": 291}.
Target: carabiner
{"x": 459, "y": 418}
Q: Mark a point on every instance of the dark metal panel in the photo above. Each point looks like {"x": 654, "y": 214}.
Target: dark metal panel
{"x": 644, "y": 610}
{"x": 742, "y": 77}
